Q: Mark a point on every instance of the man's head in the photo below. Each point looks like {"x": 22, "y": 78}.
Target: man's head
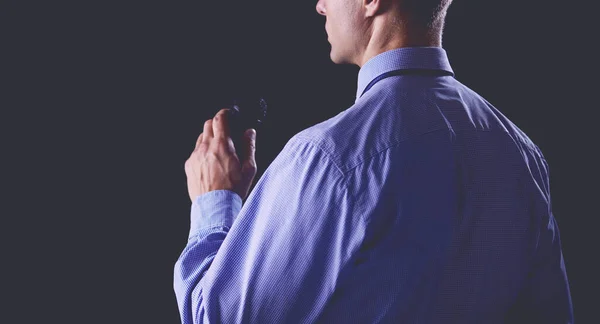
{"x": 360, "y": 29}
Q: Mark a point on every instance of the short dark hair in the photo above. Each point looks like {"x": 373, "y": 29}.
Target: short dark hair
{"x": 424, "y": 14}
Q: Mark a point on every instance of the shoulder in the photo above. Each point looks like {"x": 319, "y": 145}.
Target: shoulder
{"x": 338, "y": 139}
{"x": 370, "y": 127}
{"x": 305, "y": 156}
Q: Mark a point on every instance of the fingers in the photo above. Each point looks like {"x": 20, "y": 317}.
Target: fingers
{"x": 250, "y": 147}
{"x": 220, "y": 124}
{"x": 249, "y": 167}
{"x": 218, "y": 127}
{"x": 208, "y": 131}
{"x": 198, "y": 141}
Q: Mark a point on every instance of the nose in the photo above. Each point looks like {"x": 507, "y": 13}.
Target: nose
{"x": 320, "y": 8}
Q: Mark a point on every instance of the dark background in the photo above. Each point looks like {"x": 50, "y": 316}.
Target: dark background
{"x": 102, "y": 103}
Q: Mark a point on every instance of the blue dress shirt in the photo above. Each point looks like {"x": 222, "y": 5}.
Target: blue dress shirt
{"x": 421, "y": 203}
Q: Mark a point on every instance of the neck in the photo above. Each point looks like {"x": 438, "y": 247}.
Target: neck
{"x": 384, "y": 36}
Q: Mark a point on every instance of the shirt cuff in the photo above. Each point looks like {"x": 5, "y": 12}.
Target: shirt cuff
{"x": 214, "y": 209}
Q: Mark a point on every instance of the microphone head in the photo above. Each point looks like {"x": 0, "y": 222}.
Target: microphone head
{"x": 247, "y": 113}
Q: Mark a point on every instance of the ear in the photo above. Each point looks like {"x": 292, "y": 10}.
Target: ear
{"x": 376, "y": 7}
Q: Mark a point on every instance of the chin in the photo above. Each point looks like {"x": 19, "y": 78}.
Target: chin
{"x": 333, "y": 58}
{"x": 338, "y": 59}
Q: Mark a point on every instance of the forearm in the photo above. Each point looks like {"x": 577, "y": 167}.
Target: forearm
{"x": 191, "y": 267}
{"x": 211, "y": 218}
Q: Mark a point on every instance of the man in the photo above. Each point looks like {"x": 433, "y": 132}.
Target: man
{"x": 421, "y": 203}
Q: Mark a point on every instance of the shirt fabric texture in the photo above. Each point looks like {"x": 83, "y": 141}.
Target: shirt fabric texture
{"x": 421, "y": 203}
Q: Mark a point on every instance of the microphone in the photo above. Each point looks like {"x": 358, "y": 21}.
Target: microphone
{"x": 245, "y": 113}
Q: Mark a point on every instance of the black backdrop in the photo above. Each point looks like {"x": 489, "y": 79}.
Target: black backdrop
{"x": 102, "y": 104}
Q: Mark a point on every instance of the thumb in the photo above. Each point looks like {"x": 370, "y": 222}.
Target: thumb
{"x": 249, "y": 164}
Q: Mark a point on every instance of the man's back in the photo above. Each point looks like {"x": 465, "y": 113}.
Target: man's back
{"x": 457, "y": 202}
{"x": 421, "y": 203}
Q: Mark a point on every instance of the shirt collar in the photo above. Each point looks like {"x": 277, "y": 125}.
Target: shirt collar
{"x": 402, "y": 58}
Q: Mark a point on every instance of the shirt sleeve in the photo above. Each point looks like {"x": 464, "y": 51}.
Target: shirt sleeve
{"x": 546, "y": 296}
{"x": 279, "y": 259}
